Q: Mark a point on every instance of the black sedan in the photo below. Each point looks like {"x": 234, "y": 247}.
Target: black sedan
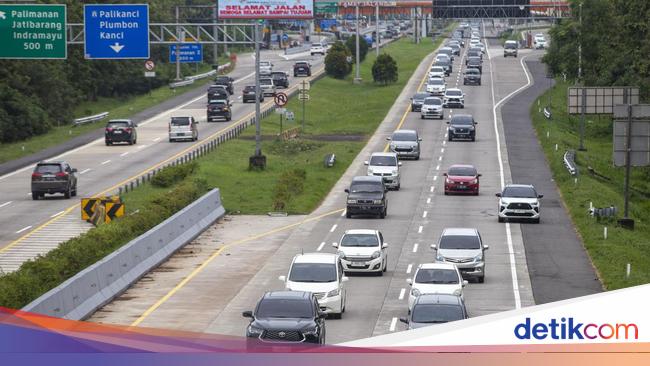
{"x": 472, "y": 76}
{"x": 417, "y": 100}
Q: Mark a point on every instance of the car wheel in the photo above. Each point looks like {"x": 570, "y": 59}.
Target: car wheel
{"x": 130, "y": 142}
{"x": 473, "y": 138}
{"x": 417, "y": 157}
{"x": 421, "y": 117}
{"x": 35, "y": 196}
{"x": 74, "y": 191}
{"x": 450, "y": 138}
{"x": 170, "y": 140}
{"x": 399, "y": 185}
{"x": 348, "y": 215}
{"x": 536, "y": 221}
{"x": 108, "y": 143}
{"x": 501, "y": 219}
{"x": 481, "y": 279}
{"x": 68, "y": 193}
{"x": 440, "y": 118}
{"x": 383, "y": 214}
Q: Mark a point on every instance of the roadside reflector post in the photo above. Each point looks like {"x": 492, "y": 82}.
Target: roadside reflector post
{"x": 628, "y": 269}
{"x": 605, "y": 232}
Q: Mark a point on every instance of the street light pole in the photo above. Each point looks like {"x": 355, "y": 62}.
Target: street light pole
{"x": 584, "y": 92}
{"x": 215, "y": 34}
{"x": 178, "y": 45}
{"x": 258, "y": 114}
{"x": 357, "y": 73}
{"x": 377, "y": 39}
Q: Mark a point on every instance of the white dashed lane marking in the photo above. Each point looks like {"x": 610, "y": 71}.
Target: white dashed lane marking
{"x": 320, "y": 246}
{"x": 24, "y": 229}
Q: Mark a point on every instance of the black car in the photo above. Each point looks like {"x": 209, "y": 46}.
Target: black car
{"x": 462, "y": 126}
{"x": 472, "y": 76}
{"x": 249, "y": 94}
{"x": 474, "y": 52}
{"x": 217, "y": 92}
{"x": 367, "y": 195}
{"x": 226, "y": 81}
{"x": 120, "y": 130}
{"x": 54, "y": 177}
{"x": 301, "y": 68}
{"x": 219, "y": 108}
{"x": 280, "y": 79}
{"x": 446, "y": 65}
{"x": 417, "y": 100}
{"x": 475, "y": 63}
{"x": 286, "y": 317}
{"x": 431, "y": 309}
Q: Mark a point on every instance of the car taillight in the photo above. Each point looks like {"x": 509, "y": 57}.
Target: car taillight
{"x": 128, "y": 129}
{"x": 36, "y": 175}
{"x": 108, "y": 129}
{"x": 61, "y": 175}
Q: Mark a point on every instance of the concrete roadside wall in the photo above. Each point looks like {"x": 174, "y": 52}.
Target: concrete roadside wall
{"x": 80, "y": 296}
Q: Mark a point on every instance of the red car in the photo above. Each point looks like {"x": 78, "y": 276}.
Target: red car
{"x": 462, "y": 179}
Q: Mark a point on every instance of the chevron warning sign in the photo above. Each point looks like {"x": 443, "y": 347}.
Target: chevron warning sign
{"x": 87, "y": 207}
{"x": 113, "y": 210}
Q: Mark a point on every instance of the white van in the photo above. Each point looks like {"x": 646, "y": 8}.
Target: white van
{"x": 510, "y": 48}
{"x": 183, "y": 128}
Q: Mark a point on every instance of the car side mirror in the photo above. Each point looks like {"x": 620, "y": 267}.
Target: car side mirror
{"x": 247, "y": 314}
{"x": 475, "y": 122}
{"x": 540, "y": 196}
{"x": 365, "y": 162}
{"x": 434, "y": 247}
{"x": 385, "y": 189}
{"x": 465, "y": 282}
{"x": 135, "y": 125}
{"x": 388, "y": 139}
{"x": 409, "y": 281}
{"x": 345, "y": 279}
{"x": 399, "y": 163}
{"x": 404, "y": 320}
{"x": 444, "y": 174}
{"x": 346, "y": 190}
{"x": 498, "y": 194}
{"x": 335, "y": 245}
{"x": 486, "y": 247}
{"x": 384, "y": 246}
{"x": 74, "y": 170}
{"x": 479, "y": 175}
{"x": 282, "y": 278}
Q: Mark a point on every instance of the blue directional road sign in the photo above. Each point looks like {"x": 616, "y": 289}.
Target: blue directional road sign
{"x": 116, "y": 31}
{"x": 189, "y": 52}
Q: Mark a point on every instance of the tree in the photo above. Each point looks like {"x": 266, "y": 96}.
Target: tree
{"x": 384, "y": 70}
{"x": 363, "y": 47}
{"x": 336, "y": 61}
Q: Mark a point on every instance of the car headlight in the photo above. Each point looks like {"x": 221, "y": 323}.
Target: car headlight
{"x": 458, "y": 292}
{"x": 334, "y": 292}
{"x": 536, "y": 203}
{"x": 415, "y": 292}
{"x": 394, "y": 172}
{"x": 440, "y": 258}
{"x": 449, "y": 181}
{"x": 310, "y": 332}
{"x": 370, "y": 171}
{"x": 254, "y": 331}
{"x": 375, "y": 255}
{"x": 377, "y": 202}
{"x": 478, "y": 258}
{"x": 352, "y": 201}
{"x": 475, "y": 181}
{"x": 341, "y": 254}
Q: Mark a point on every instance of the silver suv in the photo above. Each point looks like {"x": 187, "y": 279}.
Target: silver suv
{"x": 464, "y": 248}
{"x": 385, "y": 165}
{"x": 405, "y": 143}
{"x": 519, "y": 201}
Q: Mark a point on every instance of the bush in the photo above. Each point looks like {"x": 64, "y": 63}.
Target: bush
{"x": 363, "y": 47}
{"x": 35, "y": 277}
{"x": 289, "y": 184}
{"x": 384, "y": 70}
{"x": 172, "y": 174}
{"x": 336, "y": 63}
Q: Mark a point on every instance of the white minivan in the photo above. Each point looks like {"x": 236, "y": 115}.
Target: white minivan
{"x": 322, "y": 275}
{"x": 385, "y": 165}
{"x": 183, "y": 128}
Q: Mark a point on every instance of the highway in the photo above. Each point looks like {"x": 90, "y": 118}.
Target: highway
{"x": 41, "y": 225}
{"x": 206, "y": 288}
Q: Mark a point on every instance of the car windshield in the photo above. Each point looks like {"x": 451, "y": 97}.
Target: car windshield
{"x": 313, "y": 272}
{"x": 472, "y": 72}
{"x": 384, "y": 160}
{"x": 438, "y": 276}
{"x": 436, "y": 81}
{"x": 420, "y": 96}
{"x": 284, "y": 308}
{"x": 462, "y": 171}
{"x": 511, "y": 45}
{"x": 366, "y": 187}
{"x": 474, "y": 61}
{"x": 359, "y": 240}
{"x": 437, "y": 69}
{"x": 118, "y": 124}
{"x": 433, "y": 101}
{"x": 460, "y": 242}
{"x": 48, "y": 168}
{"x": 266, "y": 81}
{"x": 404, "y": 136}
{"x": 461, "y": 120}
{"x": 454, "y": 92}
{"x": 436, "y": 313}
{"x": 217, "y": 101}
{"x": 249, "y": 88}
{"x": 180, "y": 121}
{"x": 519, "y": 192}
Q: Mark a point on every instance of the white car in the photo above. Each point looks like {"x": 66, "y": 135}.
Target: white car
{"x": 437, "y": 72}
{"x": 317, "y": 48}
{"x": 363, "y": 251}
{"x": 266, "y": 67}
{"x": 481, "y": 46}
{"x": 435, "y": 278}
{"x": 267, "y": 87}
{"x": 539, "y": 42}
{"x": 385, "y": 165}
{"x": 474, "y": 42}
{"x": 443, "y": 57}
{"x": 432, "y": 107}
{"x": 519, "y": 201}
{"x": 322, "y": 275}
{"x": 453, "y": 97}
{"x": 436, "y": 86}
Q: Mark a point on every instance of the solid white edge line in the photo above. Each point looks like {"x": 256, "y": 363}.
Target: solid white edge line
{"x": 402, "y": 292}
{"x": 511, "y": 252}
{"x": 5, "y": 204}
{"x": 23, "y": 229}
{"x": 393, "y": 324}
{"x": 320, "y": 246}
{"x": 57, "y": 214}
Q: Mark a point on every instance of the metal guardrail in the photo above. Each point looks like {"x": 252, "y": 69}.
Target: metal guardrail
{"x": 181, "y": 83}
{"x": 547, "y": 113}
{"x": 570, "y": 163}
{"x": 599, "y": 213}
{"x": 83, "y": 120}
{"x": 293, "y": 50}
{"x": 202, "y": 76}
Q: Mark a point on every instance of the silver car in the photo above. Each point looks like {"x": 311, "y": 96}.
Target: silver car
{"x": 267, "y": 86}
{"x": 464, "y": 248}
{"x": 405, "y": 143}
{"x": 432, "y": 107}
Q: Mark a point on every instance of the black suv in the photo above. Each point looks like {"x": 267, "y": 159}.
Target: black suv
{"x": 367, "y": 195}
{"x": 475, "y": 63}
{"x": 462, "y": 126}
{"x": 120, "y": 130}
{"x": 218, "y": 92}
{"x": 280, "y": 79}
{"x": 54, "y": 177}
{"x": 286, "y": 317}
{"x": 472, "y": 76}
{"x": 226, "y": 81}
{"x": 219, "y": 108}
{"x": 249, "y": 94}
{"x": 301, "y": 68}
{"x": 445, "y": 65}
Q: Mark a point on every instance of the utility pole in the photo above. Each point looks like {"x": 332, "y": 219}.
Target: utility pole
{"x": 257, "y": 161}
{"x": 178, "y": 46}
{"x": 377, "y": 39}
{"x": 215, "y": 34}
{"x": 584, "y": 92}
{"x": 357, "y": 72}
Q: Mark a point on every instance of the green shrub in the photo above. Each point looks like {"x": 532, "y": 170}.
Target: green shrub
{"x": 291, "y": 183}
{"x": 336, "y": 63}
{"x": 384, "y": 70}
{"x": 352, "y": 46}
{"x": 172, "y": 174}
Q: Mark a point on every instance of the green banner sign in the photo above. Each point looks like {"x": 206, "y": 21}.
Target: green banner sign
{"x": 326, "y": 7}
{"x": 33, "y": 31}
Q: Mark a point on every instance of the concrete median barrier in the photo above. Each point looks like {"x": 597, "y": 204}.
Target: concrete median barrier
{"x": 80, "y": 296}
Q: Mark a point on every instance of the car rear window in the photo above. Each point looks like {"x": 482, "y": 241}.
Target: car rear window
{"x": 359, "y": 240}
{"x": 266, "y": 81}
{"x": 436, "y": 82}
{"x": 302, "y": 64}
{"x": 460, "y": 242}
{"x": 180, "y": 121}
{"x": 383, "y": 161}
{"x": 284, "y": 308}
{"x": 420, "y": 96}
{"x": 462, "y": 171}
{"x": 438, "y": 276}
{"x": 436, "y": 313}
{"x": 118, "y": 124}
{"x": 313, "y": 272}
{"x": 48, "y": 168}
{"x": 249, "y": 88}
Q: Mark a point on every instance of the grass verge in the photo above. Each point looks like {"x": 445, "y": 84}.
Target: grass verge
{"x": 117, "y": 108}
{"x": 611, "y": 255}
{"x": 295, "y": 180}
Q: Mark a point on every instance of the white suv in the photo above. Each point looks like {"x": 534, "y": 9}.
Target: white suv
{"x": 385, "y": 165}
{"x": 437, "y": 72}
{"x": 435, "y": 278}
{"x": 539, "y": 42}
{"x": 317, "y": 48}
{"x": 322, "y": 275}
{"x": 436, "y": 86}
{"x": 519, "y": 201}
{"x": 266, "y": 67}
{"x": 363, "y": 251}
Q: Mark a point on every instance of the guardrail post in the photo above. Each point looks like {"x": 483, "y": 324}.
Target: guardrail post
{"x": 119, "y": 191}
{"x": 131, "y": 184}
